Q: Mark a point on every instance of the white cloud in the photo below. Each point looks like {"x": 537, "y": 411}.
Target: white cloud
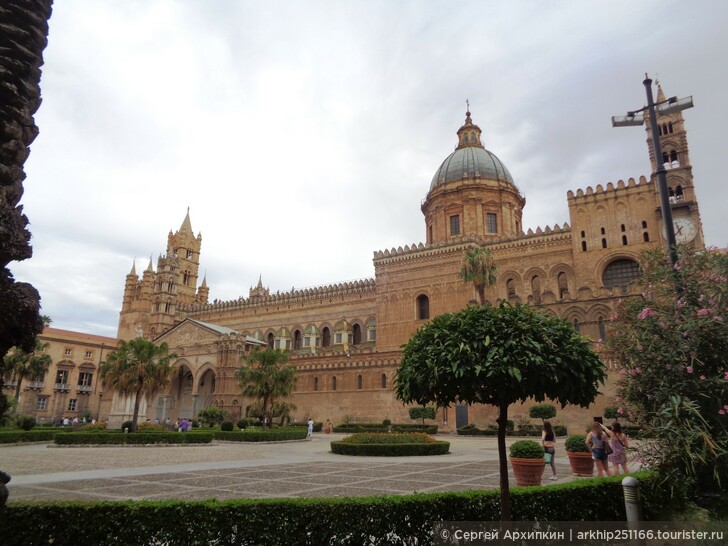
{"x": 305, "y": 135}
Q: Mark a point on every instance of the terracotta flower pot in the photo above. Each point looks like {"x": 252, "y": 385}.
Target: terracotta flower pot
{"x": 527, "y": 471}
{"x": 581, "y": 463}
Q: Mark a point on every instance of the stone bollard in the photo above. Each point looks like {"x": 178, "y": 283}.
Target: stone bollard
{"x": 632, "y": 505}
{"x": 4, "y": 479}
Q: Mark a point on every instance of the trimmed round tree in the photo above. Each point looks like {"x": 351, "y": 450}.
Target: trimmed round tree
{"x": 498, "y": 356}
{"x": 423, "y": 413}
{"x": 542, "y": 411}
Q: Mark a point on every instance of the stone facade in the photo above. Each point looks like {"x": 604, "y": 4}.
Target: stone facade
{"x": 345, "y": 339}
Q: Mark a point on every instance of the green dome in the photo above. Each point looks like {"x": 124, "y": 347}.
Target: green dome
{"x": 471, "y": 162}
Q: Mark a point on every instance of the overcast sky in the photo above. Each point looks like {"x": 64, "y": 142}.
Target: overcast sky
{"x": 304, "y": 135}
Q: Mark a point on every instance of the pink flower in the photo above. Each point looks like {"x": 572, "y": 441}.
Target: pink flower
{"x": 646, "y": 312}
{"x": 620, "y": 411}
{"x": 718, "y": 318}
{"x": 703, "y": 312}
{"x": 689, "y": 369}
{"x": 702, "y": 377}
{"x": 722, "y": 412}
{"x": 726, "y": 376}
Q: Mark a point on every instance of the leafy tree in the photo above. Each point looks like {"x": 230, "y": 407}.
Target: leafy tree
{"x": 542, "y": 411}
{"x": 479, "y": 268}
{"x": 32, "y": 365}
{"x": 211, "y": 416}
{"x": 266, "y": 378}
{"x": 498, "y": 356}
{"x": 672, "y": 347}
{"x": 138, "y": 368}
{"x": 423, "y": 413}
{"x": 284, "y": 410}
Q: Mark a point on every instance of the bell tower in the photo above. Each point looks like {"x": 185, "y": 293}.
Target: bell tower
{"x": 680, "y": 183}
{"x": 150, "y": 305}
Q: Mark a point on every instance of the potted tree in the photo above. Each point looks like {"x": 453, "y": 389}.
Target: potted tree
{"x": 580, "y": 458}
{"x": 527, "y": 462}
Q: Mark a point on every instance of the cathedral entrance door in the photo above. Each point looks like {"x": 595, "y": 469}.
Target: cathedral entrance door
{"x": 461, "y": 416}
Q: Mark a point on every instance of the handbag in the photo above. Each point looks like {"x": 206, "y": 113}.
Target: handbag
{"x": 547, "y": 458}
{"x": 607, "y": 448}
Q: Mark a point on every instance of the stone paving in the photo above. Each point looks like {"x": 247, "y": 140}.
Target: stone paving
{"x": 241, "y": 470}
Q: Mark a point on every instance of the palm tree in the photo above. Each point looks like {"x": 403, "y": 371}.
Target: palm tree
{"x": 479, "y": 268}
{"x": 24, "y": 364}
{"x": 267, "y": 378}
{"x": 138, "y": 368}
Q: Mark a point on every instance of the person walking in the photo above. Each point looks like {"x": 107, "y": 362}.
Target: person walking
{"x": 619, "y": 443}
{"x": 310, "y": 428}
{"x": 548, "y": 441}
{"x": 595, "y": 442}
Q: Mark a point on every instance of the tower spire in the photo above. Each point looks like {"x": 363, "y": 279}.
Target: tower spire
{"x": 186, "y": 224}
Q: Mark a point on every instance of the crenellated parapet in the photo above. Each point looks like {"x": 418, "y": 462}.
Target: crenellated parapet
{"x": 356, "y": 288}
{"x": 419, "y": 250}
{"x": 611, "y": 189}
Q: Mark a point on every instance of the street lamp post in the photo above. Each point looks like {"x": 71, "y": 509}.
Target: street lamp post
{"x": 668, "y": 106}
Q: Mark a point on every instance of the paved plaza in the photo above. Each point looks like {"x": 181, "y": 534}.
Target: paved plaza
{"x": 229, "y": 470}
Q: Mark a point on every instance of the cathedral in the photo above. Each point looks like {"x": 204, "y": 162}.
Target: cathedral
{"x": 345, "y": 339}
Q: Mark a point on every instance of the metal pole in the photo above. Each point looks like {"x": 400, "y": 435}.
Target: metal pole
{"x": 661, "y": 175}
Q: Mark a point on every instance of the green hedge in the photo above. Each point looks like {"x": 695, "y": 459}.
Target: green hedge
{"x": 35, "y": 435}
{"x": 260, "y": 435}
{"x": 380, "y": 520}
{"x": 390, "y": 450}
{"x": 379, "y": 427}
{"x": 95, "y": 438}
{"x": 523, "y": 430}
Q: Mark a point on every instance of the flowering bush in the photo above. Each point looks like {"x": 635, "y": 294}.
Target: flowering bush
{"x": 672, "y": 345}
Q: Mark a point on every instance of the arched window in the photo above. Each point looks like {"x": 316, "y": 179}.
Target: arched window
{"x": 602, "y": 329}
{"x": 186, "y": 278}
{"x": 423, "y": 307}
{"x": 359, "y": 381}
{"x": 297, "y": 339}
{"x": 563, "y": 282}
{"x": 644, "y": 224}
{"x": 315, "y": 383}
{"x": 604, "y": 243}
{"x": 356, "y": 334}
{"x": 270, "y": 339}
{"x": 326, "y": 337}
{"x": 577, "y": 326}
{"x": 583, "y": 246}
{"x": 646, "y": 237}
{"x": 624, "y": 239}
{"x": 511, "y": 288}
{"x": 536, "y": 289}
{"x": 679, "y": 193}
{"x": 333, "y": 383}
{"x": 620, "y": 273}
{"x": 384, "y": 380}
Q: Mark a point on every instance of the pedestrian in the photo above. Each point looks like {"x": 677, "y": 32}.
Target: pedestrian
{"x": 310, "y": 428}
{"x": 166, "y": 424}
{"x": 548, "y": 441}
{"x": 619, "y": 443}
{"x": 595, "y": 442}
{"x": 183, "y": 425}
{"x": 176, "y": 425}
